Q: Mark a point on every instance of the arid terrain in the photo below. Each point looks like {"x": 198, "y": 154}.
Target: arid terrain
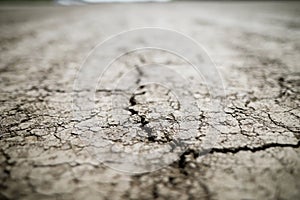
{"x": 44, "y": 153}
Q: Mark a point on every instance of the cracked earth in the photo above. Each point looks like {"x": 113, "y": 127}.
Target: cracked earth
{"x": 43, "y": 151}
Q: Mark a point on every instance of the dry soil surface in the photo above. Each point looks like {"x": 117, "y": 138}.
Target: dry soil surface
{"x": 44, "y": 153}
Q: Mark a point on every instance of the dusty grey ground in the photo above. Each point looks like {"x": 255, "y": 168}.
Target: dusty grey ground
{"x": 256, "y": 49}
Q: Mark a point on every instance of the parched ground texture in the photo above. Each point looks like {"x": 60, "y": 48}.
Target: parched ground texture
{"x": 255, "y": 47}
